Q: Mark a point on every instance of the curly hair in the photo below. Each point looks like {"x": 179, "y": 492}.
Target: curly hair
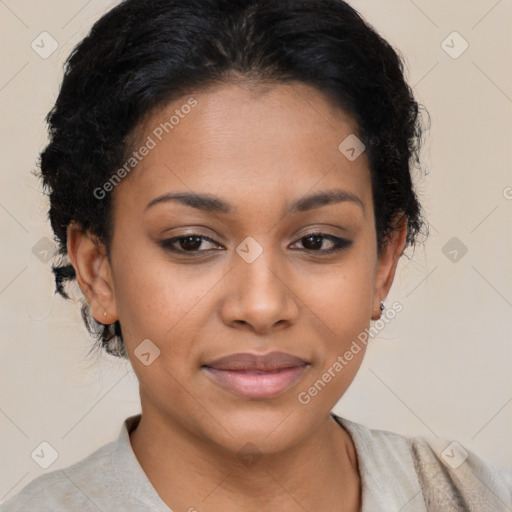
{"x": 142, "y": 54}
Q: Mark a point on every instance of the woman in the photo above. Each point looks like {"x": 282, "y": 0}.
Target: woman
{"x": 231, "y": 182}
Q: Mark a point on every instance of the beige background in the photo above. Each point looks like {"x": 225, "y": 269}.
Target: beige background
{"x": 440, "y": 368}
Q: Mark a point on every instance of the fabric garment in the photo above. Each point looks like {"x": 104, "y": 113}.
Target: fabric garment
{"x": 398, "y": 474}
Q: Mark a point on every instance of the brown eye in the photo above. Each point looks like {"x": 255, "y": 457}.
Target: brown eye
{"x": 315, "y": 241}
{"x": 187, "y": 244}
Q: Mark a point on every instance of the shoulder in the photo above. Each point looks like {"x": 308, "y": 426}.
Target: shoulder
{"x": 76, "y": 487}
{"x": 451, "y": 476}
{"x": 379, "y": 449}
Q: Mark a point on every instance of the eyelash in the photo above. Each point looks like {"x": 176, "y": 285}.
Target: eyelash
{"x": 339, "y": 243}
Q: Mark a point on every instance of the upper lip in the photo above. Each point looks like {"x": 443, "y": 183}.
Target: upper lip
{"x": 259, "y": 362}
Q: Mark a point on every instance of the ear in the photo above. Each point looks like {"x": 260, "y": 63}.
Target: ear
{"x": 386, "y": 265}
{"x": 93, "y": 274}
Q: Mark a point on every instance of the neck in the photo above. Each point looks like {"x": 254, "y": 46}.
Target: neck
{"x": 190, "y": 473}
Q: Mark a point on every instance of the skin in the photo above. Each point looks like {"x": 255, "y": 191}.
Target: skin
{"x": 258, "y": 148}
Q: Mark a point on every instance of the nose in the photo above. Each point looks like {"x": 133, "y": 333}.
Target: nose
{"x": 260, "y": 296}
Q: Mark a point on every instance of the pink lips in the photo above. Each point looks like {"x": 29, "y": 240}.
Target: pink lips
{"x": 257, "y": 376}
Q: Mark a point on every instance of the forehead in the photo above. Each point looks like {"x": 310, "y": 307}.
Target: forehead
{"x": 237, "y": 140}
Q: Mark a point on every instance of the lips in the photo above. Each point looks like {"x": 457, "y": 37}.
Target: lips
{"x": 256, "y": 362}
{"x": 256, "y": 376}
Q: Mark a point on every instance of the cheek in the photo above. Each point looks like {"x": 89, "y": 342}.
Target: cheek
{"x": 162, "y": 307}
{"x": 342, "y": 299}
{"x": 341, "y": 306}
{"x": 159, "y": 301}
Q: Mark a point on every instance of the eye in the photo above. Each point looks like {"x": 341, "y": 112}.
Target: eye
{"x": 187, "y": 244}
{"x": 315, "y": 241}
{"x": 312, "y": 242}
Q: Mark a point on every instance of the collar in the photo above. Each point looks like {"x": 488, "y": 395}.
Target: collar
{"x": 388, "y": 479}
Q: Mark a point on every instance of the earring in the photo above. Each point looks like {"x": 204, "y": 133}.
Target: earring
{"x": 382, "y": 305}
{"x": 104, "y": 313}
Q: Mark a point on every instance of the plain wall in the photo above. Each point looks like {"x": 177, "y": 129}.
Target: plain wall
{"x": 440, "y": 368}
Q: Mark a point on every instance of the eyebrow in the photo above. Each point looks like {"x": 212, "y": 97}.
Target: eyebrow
{"x": 213, "y": 204}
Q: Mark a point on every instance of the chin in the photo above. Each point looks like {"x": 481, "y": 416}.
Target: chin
{"x": 270, "y": 428}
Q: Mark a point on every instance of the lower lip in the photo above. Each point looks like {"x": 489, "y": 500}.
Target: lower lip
{"x": 252, "y": 384}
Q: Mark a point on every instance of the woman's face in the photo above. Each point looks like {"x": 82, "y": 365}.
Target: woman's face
{"x": 256, "y": 283}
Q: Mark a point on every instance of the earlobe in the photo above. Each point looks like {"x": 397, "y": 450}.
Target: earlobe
{"x": 92, "y": 267}
{"x": 386, "y": 266}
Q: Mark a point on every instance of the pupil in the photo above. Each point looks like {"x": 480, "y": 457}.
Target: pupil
{"x": 314, "y": 245}
{"x": 196, "y": 242}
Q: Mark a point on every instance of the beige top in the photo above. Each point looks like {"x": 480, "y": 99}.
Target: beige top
{"x": 398, "y": 474}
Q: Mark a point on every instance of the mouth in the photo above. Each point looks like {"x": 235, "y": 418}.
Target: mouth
{"x": 256, "y": 376}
